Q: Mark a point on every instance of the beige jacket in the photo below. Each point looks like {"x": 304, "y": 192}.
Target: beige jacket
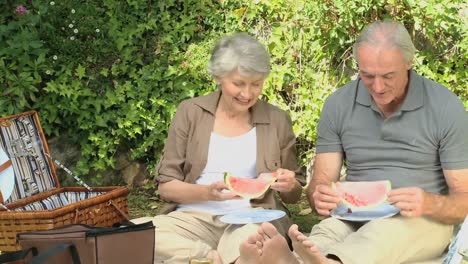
{"x": 185, "y": 153}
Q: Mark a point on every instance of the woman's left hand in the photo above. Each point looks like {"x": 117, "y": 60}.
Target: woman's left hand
{"x": 286, "y": 180}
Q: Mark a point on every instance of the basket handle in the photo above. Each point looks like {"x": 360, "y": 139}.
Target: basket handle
{"x": 119, "y": 210}
{"x": 78, "y": 212}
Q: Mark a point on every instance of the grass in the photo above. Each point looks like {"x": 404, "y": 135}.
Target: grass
{"x": 144, "y": 202}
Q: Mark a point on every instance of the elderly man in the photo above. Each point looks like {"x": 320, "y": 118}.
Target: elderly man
{"x": 389, "y": 124}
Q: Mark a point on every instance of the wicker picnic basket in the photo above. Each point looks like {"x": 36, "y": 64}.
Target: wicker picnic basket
{"x": 31, "y": 198}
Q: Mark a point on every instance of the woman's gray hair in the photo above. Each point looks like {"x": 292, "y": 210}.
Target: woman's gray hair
{"x": 387, "y": 32}
{"x": 242, "y": 52}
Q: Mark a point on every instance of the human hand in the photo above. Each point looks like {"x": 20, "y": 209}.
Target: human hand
{"x": 325, "y": 199}
{"x": 285, "y": 180}
{"x": 215, "y": 192}
{"x": 410, "y": 200}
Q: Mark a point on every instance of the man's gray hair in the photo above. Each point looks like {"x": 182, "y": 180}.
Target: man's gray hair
{"x": 242, "y": 52}
{"x": 388, "y": 32}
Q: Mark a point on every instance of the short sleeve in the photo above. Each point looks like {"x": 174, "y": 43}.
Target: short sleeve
{"x": 171, "y": 163}
{"x": 453, "y": 150}
{"x": 328, "y": 136}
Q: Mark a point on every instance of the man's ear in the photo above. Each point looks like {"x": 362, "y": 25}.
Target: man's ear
{"x": 409, "y": 65}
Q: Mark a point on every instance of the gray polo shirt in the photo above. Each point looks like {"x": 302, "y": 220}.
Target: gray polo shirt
{"x": 410, "y": 148}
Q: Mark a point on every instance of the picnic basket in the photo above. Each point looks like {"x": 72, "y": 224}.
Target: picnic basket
{"x": 31, "y": 198}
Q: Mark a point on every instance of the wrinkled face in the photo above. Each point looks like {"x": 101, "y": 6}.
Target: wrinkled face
{"x": 239, "y": 92}
{"x": 385, "y": 74}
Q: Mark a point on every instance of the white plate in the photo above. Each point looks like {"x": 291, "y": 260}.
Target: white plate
{"x": 384, "y": 211}
{"x": 252, "y": 216}
{"x": 7, "y": 177}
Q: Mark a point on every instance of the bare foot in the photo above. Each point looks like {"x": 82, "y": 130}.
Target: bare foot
{"x": 250, "y": 250}
{"x": 307, "y": 250}
{"x": 275, "y": 247}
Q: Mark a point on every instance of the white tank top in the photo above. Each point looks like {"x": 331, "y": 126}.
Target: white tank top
{"x": 236, "y": 155}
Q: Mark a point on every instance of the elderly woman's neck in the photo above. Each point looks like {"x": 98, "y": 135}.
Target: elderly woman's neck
{"x": 230, "y": 123}
{"x": 227, "y": 112}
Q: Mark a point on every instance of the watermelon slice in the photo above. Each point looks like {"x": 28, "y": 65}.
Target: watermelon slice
{"x": 249, "y": 188}
{"x": 363, "y": 196}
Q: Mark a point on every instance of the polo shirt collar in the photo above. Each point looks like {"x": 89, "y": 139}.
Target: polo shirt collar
{"x": 210, "y": 103}
{"x": 414, "y": 98}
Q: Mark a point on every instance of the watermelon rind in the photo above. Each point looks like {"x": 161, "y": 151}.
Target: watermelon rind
{"x": 266, "y": 185}
{"x": 369, "y": 205}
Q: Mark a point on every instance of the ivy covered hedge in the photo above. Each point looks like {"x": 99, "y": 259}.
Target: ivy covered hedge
{"x": 110, "y": 73}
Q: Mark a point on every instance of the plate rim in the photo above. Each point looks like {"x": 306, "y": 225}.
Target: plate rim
{"x": 7, "y": 177}
{"x": 223, "y": 219}
{"x": 350, "y": 217}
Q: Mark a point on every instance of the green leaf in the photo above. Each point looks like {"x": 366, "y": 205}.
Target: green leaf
{"x": 80, "y": 71}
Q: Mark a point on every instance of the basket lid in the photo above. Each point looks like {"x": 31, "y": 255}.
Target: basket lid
{"x": 24, "y": 145}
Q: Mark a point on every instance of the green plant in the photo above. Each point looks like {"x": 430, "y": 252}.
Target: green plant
{"x": 111, "y": 73}
{"x": 22, "y": 58}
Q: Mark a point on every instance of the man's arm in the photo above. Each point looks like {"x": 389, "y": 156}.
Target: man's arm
{"x": 327, "y": 169}
{"x": 449, "y": 209}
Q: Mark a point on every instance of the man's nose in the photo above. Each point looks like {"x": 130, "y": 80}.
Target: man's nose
{"x": 379, "y": 85}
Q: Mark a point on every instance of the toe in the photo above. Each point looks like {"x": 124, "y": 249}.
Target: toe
{"x": 269, "y": 229}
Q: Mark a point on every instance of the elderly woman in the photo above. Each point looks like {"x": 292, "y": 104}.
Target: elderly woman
{"x": 227, "y": 130}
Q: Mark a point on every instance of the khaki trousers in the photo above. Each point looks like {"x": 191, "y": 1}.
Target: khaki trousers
{"x": 392, "y": 240}
{"x": 183, "y": 235}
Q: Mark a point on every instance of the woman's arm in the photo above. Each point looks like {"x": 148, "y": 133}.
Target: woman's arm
{"x": 184, "y": 193}
{"x": 170, "y": 175}
{"x": 289, "y": 187}
{"x": 171, "y": 164}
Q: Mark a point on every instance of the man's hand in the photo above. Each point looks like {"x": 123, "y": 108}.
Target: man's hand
{"x": 215, "y": 192}
{"x": 285, "y": 181}
{"x": 325, "y": 199}
{"x": 410, "y": 200}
